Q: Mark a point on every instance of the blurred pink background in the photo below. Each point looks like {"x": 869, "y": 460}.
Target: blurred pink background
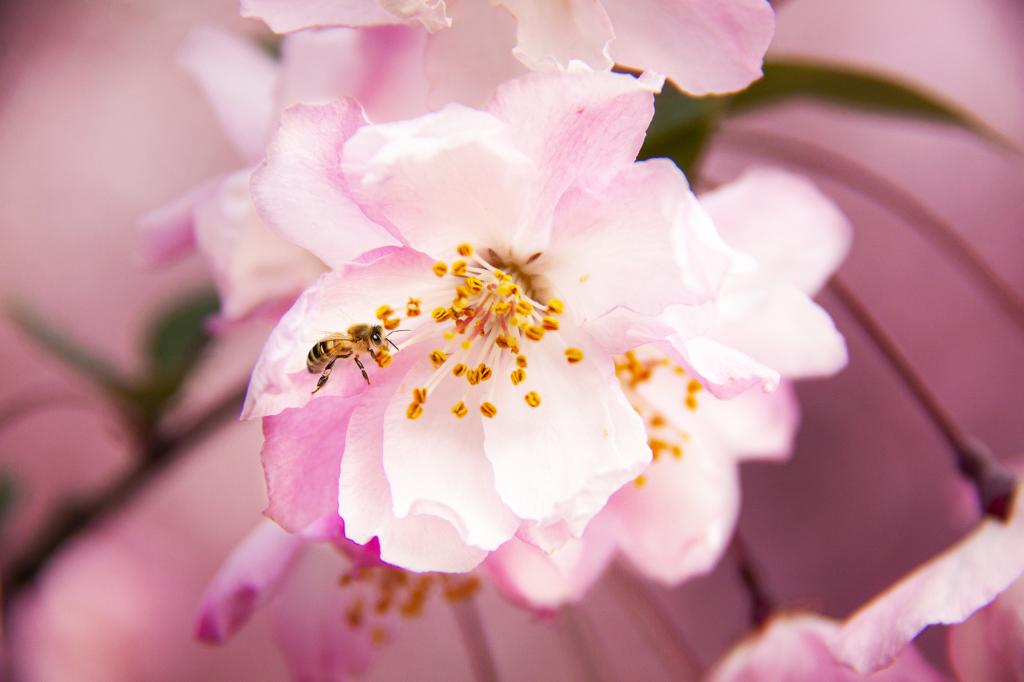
{"x": 98, "y": 125}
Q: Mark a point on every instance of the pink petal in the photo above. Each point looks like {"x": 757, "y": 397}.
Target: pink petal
{"x": 561, "y": 461}
{"x": 946, "y": 589}
{"x": 642, "y": 243}
{"x": 285, "y": 16}
{"x": 442, "y": 179}
{"x": 989, "y": 646}
{"x": 168, "y": 232}
{"x": 703, "y": 46}
{"x": 380, "y": 67}
{"x": 552, "y": 35}
{"x": 795, "y": 233}
{"x": 466, "y": 62}
{"x": 781, "y": 327}
{"x": 580, "y": 129}
{"x": 795, "y": 648}
{"x": 239, "y": 79}
{"x": 337, "y": 300}
{"x": 302, "y": 452}
{"x": 753, "y": 425}
{"x": 246, "y": 579}
{"x": 536, "y": 579}
{"x": 436, "y": 465}
{"x": 299, "y": 190}
{"x": 418, "y": 542}
{"x": 432, "y": 14}
{"x": 723, "y": 370}
{"x": 251, "y": 265}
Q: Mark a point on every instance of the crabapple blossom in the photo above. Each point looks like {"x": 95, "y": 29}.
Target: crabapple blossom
{"x": 676, "y": 519}
{"x": 520, "y": 227}
{"x": 254, "y": 268}
{"x": 703, "y": 46}
{"x": 989, "y": 646}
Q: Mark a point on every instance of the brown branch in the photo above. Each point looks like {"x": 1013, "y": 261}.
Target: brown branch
{"x": 992, "y": 481}
{"x": 471, "y": 628}
{"x": 864, "y": 181}
{"x": 761, "y": 605}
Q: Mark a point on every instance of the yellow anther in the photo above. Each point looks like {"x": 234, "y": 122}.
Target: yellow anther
{"x": 438, "y": 357}
{"x": 449, "y": 335}
{"x": 474, "y": 285}
{"x": 354, "y": 614}
{"x": 440, "y": 269}
{"x": 459, "y": 369}
{"x": 459, "y": 268}
{"x": 383, "y": 359}
{"x": 473, "y": 377}
{"x": 460, "y": 304}
{"x": 501, "y": 308}
{"x": 460, "y": 410}
{"x": 534, "y": 333}
{"x": 466, "y": 345}
{"x": 640, "y": 481}
{"x": 412, "y": 308}
{"x": 462, "y": 291}
{"x": 500, "y": 274}
{"x": 419, "y": 395}
{"x": 517, "y": 376}
{"x": 691, "y": 402}
{"x": 465, "y": 249}
{"x": 501, "y": 341}
{"x": 414, "y": 411}
{"x": 379, "y": 635}
{"x": 441, "y": 314}
{"x": 573, "y": 355}
{"x": 657, "y": 421}
{"x": 556, "y": 306}
{"x": 521, "y": 360}
{"x": 488, "y": 409}
{"x": 384, "y": 312}
{"x": 484, "y": 372}
{"x": 524, "y": 307}
{"x": 532, "y": 399}
{"x": 513, "y": 346}
{"x": 507, "y": 288}
{"x": 392, "y": 323}
{"x": 549, "y": 323}
{"x": 677, "y": 452}
{"x": 693, "y": 386}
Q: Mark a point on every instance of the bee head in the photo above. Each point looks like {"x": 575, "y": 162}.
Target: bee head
{"x": 377, "y": 335}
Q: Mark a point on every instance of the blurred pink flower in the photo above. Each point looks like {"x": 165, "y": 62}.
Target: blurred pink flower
{"x": 677, "y": 519}
{"x": 254, "y": 268}
{"x": 989, "y": 646}
{"x": 703, "y": 46}
{"x": 537, "y": 223}
{"x": 947, "y": 589}
{"x": 795, "y": 648}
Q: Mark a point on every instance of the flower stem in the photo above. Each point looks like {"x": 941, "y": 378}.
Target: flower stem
{"x": 585, "y": 643}
{"x": 761, "y": 605}
{"x": 992, "y": 481}
{"x": 471, "y": 627}
{"x": 867, "y": 183}
{"x": 675, "y": 652}
{"x": 76, "y": 519}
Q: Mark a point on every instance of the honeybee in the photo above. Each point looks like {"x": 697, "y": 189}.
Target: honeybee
{"x": 363, "y": 338}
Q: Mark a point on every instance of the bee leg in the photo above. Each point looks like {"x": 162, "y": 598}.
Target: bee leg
{"x": 362, "y": 369}
{"x": 325, "y": 376}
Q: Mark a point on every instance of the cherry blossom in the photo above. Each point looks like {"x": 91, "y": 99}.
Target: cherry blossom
{"x": 676, "y": 519}
{"x": 254, "y": 268}
{"x": 703, "y": 46}
{"x": 522, "y": 226}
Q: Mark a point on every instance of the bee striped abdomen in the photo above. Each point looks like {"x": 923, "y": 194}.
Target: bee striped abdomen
{"x": 322, "y": 352}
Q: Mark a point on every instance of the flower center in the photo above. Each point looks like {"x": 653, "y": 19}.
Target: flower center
{"x": 663, "y": 435}
{"x": 485, "y": 318}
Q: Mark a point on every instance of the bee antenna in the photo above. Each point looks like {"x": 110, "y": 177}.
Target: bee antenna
{"x": 398, "y": 330}
{"x": 393, "y": 344}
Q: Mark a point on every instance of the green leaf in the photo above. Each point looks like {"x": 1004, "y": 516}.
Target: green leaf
{"x": 59, "y": 343}
{"x": 8, "y": 495}
{"x": 178, "y": 336}
{"x": 681, "y": 128}
{"x": 855, "y": 89}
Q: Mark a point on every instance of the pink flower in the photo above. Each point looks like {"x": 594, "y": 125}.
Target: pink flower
{"x": 795, "y": 648}
{"x": 989, "y": 646}
{"x": 947, "y": 589}
{"x": 254, "y": 268}
{"x": 522, "y": 227}
{"x": 703, "y": 46}
{"x": 677, "y": 519}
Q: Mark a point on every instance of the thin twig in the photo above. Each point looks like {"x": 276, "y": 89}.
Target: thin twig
{"x": 79, "y": 518}
{"x": 17, "y": 409}
{"x": 761, "y": 605}
{"x": 993, "y": 482}
{"x": 471, "y": 628}
{"x": 675, "y": 652}
{"x": 585, "y": 644}
{"x": 864, "y": 181}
